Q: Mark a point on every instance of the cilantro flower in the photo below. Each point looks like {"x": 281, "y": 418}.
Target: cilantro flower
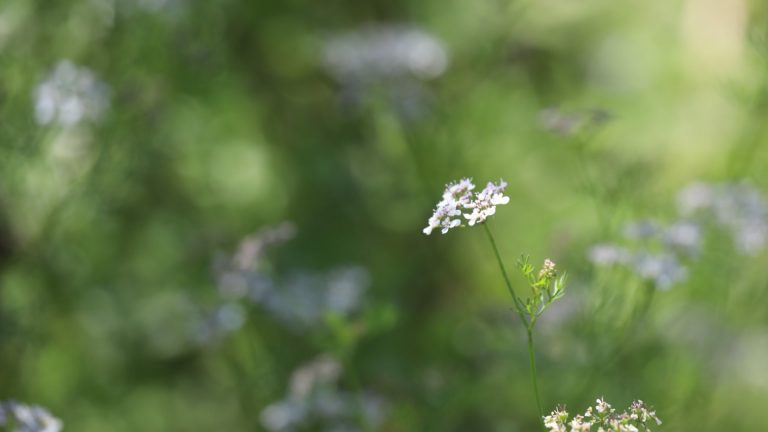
{"x": 459, "y": 201}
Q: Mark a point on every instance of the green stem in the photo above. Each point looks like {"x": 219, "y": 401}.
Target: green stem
{"x": 515, "y": 298}
{"x": 521, "y": 313}
{"x": 532, "y": 358}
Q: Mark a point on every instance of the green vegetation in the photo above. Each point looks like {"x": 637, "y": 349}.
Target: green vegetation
{"x": 212, "y": 213}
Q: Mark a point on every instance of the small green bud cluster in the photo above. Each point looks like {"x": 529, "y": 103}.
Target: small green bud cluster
{"x": 546, "y": 288}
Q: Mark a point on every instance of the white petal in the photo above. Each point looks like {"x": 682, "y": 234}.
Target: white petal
{"x": 499, "y": 199}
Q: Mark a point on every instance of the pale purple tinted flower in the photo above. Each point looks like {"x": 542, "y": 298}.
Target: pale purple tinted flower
{"x": 457, "y": 196}
{"x": 751, "y": 237}
{"x": 346, "y": 288}
{"x": 299, "y": 299}
{"x": 485, "y": 202}
{"x": 739, "y": 208}
{"x": 685, "y": 236}
{"x": 391, "y": 62}
{"x": 566, "y": 123}
{"x": 303, "y": 298}
{"x": 695, "y": 197}
{"x": 458, "y": 200}
{"x": 559, "y": 122}
{"x": 283, "y": 415}
{"x": 241, "y": 275}
{"x": 664, "y": 269}
{"x": 641, "y": 230}
{"x": 320, "y": 371}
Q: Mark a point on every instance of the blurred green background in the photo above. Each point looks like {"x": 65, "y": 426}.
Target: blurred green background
{"x": 142, "y": 140}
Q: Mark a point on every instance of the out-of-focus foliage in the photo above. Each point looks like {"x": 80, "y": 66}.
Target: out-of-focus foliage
{"x": 151, "y": 152}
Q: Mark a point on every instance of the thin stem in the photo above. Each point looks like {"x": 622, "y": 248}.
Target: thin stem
{"x": 520, "y": 312}
{"x": 515, "y": 298}
{"x": 532, "y": 358}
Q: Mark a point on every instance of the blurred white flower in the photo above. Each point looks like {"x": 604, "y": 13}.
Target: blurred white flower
{"x": 566, "y": 123}
{"x": 608, "y": 254}
{"x": 298, "y": 299}
{"x": 304, "y": 298}
{"x": 391, "y": 62}
{"x": 694, "y": 197}
{"x": 656, "y": 255}
{"x": 751, "y": 237}
{"x": 685, "y": 236}
{"x": 155, "y": 5}
{"x": 385, "y": 51}
{"x": 314, "y": 399}
{"x": 345, "y": 288}
{"x": 322, "y": 370}
{"x": 739, "y": 208}
{"x": 641, "y": 230}
{"x": 663, "y": 269}
{"x": 28, "y": 418}
{"x": 69, "y": 95}
{"x": 283, "y": 415}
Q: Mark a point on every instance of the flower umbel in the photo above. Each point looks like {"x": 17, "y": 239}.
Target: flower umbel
{"x": 605, "y": 418}
{"x": 458, "y": 200}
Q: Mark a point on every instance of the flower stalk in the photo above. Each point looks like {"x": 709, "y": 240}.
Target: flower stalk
{"x": 460, "y": 203}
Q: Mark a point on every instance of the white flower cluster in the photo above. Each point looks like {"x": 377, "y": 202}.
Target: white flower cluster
{"x": 28, "y": 418}
{"x": 69, "y": 95}
{"x": 459, "y": 201}
{"x": 604, "y": 418}
{"x": 314, "y": 399}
